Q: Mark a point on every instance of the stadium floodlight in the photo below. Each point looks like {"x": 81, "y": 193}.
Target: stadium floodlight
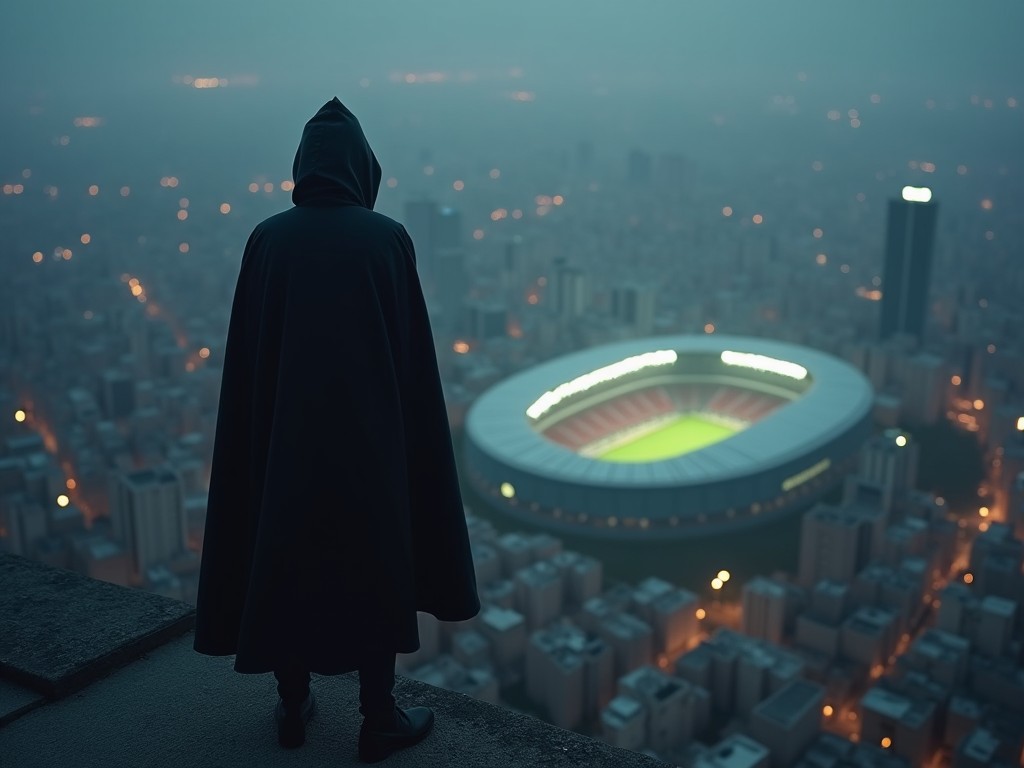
{"x": 917, "y": 194}
{"x": 553, "y": 397}
{"x": 764, "y": 363}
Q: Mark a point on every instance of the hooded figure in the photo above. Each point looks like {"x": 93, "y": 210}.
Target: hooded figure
{"x": 334, "y": 510}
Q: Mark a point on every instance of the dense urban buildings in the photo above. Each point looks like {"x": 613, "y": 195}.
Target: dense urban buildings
{"x": 885, "y": 626}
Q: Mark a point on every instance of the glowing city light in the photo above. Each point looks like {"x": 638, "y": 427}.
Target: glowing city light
{"x": 955, "y": 381}
{"x": 225, "y": 208}
{"x": 86, "y": 238}
{"x": 71, "y": 484}
{"x": 917, "y": 194}
{"x": 508, "y": 490}
{"x": 979, "y": 404}
{"x": 20, "y": 415}
{"x": 63, "y": 500}
{"x": 764, "y": 363}
{"x": 983, "y": 511}
{"x": 629, "y": 365}
{"x": 724, "y": 576}
{"x": 901, "y": 440}
{"x": 701, "y": 614}
{"x": 1020, "y": 423}
{"x": 37, "y": 256}
{"x": 827, "y": 710}
{"x": 727, "y": 211}
{"x": 717, "y": 583}
{"x": 886, "y": 742}
{"x": 204, "y": 352}
{"x": 968, "y": 577}
{"x": 461, "y": 347}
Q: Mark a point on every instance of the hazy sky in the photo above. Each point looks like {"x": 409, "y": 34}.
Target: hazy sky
{"x": 60, "y": 44}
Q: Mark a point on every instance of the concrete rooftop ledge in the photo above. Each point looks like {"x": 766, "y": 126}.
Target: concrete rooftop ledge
{"x": 169, "y": 706}
{"x": 59, "y": 631}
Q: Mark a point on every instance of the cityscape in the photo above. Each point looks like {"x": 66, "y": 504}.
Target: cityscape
{"x": 819, "y": 287}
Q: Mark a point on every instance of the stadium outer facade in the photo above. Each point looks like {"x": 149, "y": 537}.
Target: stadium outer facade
{"x": 785, "y": 460}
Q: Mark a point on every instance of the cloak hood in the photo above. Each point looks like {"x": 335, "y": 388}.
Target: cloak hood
{"x": 334, "y": 164}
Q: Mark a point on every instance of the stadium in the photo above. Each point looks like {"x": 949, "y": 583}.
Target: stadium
{"x": 668, "y": 437}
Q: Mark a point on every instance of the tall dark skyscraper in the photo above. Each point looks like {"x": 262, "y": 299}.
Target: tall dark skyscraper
{"x": 440, "y": 257}
{"x": 908, "y": 259}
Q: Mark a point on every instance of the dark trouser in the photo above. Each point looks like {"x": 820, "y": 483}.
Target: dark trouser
{"x": 376, "y": 682}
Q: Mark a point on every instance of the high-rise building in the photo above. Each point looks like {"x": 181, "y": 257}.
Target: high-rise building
{"x": 570, "y": 672}
{"x": 888, "y": 464}
{"x": 436, "y": 233}
{"x": 764, "y": 609}
{"x": 835, "y": 543}
{"x": 910, "y": 234}
{"x": 148, "y": 513}
{"x": 676, "y": 710}
{"x": 633, "y": 306}
{"x": 572, "y": 290}
{"x": 788, "y": 720}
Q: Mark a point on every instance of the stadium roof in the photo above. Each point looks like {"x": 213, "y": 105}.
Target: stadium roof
{"x": 837, "y": 400}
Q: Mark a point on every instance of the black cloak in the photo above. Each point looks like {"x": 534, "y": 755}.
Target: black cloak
{"x": 334, "y": 510}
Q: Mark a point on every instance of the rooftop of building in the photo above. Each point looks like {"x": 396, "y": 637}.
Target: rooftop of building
{"x": 735, "y": 751}
{"x": 791, "y": 702}
{"x": 96, "y": 674}
{"x": 913, "y": 713}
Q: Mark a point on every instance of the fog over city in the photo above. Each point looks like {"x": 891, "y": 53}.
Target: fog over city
{"x": 726, "y": 305}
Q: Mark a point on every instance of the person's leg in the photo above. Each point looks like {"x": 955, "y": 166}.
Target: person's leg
{"x": 297, "y": 704}
{"x": 376, "y": 683}
{"x": 386, "y": 728}
{"x": 292, "y": 684}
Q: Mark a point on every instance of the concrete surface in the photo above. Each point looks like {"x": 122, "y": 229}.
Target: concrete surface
{"x": 16, "y": 700}
{"x": 60, "y": 630}
{"x": 173, "y": 707}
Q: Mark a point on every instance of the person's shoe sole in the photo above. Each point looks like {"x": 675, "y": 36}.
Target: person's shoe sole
{"x": 291, "y": 731}
{"x": 377, "y": 746}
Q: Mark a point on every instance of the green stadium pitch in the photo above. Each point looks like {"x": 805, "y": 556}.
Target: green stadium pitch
{"x": 681, "y": 435}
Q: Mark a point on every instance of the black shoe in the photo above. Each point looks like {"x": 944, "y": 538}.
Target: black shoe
{"x": 409, "y": 727}
{"x": 291, "y": 723}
